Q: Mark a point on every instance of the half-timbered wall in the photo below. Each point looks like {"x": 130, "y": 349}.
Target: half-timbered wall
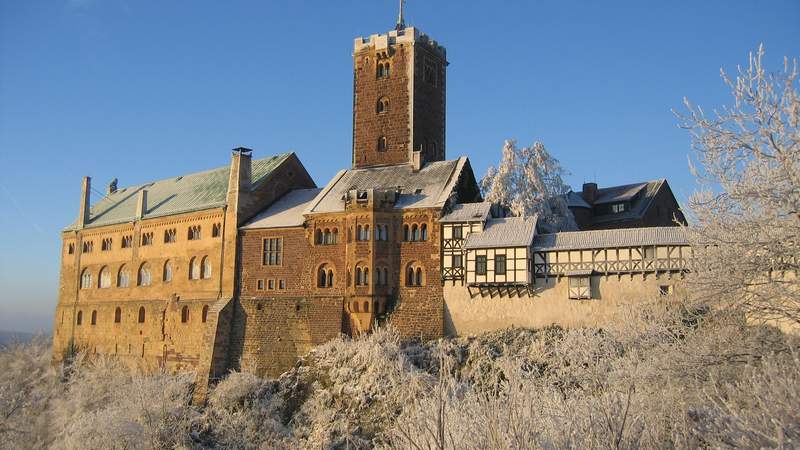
{"x": 516, "y": 266}
{"x": 453, "y": 248}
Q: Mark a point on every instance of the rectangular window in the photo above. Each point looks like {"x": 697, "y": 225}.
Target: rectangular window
{"x": 617, "y": 208}
{"x": 580, "y": 287}
{"x": 458, "y": 232}
{"x": 273, "y": 250}
{"x": 281, "y": 284}
{"x": 480, "y": 265}
{"x": 649, "y": 253}
{"x": 457, "y": 261}
{"x": 270, "y": 284}
{"x": 260, "y": 285}
{"x": 500, "y": 264}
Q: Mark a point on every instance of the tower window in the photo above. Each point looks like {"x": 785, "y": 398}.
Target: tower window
{"x": 382, "y": 71}
{"x": 383, "y": 145}
{"x": 383, "y": 105}
{"x": 71, "y": 248}
{"x": 429, "y": 73}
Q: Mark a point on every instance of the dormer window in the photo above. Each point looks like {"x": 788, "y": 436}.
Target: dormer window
{"x": 617, "y": 208}
{"x": 382, "y": 106}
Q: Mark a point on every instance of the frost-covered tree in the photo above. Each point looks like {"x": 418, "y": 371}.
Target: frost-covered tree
{"x": 529, "y": 181}
{"x": 747, "y": 212}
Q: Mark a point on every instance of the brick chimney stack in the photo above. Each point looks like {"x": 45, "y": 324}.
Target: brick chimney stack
{"x": 83, "y": 214}
{"x": 589, "y": 192}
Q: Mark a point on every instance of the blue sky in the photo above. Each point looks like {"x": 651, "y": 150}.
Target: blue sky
{"x": 141, "y": 90}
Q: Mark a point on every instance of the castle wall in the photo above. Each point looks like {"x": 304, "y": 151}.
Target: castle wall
{"x": 547, "y": 303}
{"x": 163, "y": 338}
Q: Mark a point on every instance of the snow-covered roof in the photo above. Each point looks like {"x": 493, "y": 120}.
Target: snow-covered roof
{"x": 618, "y": 237}
{"x": 428, "y": 187}
{"x": 504, "y": 232}
{"x": 286, "y": 212}
{"x": 468, "y": 212}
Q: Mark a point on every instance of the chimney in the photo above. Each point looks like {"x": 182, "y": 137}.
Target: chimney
{"x": 141, "y": 204}
{"x": 416, "y": 160}
{"x": 589, "y": 192}
{"x": 112, "y": 187}
{"x": 83, "y": 215}
{"x": 241, "y": 170}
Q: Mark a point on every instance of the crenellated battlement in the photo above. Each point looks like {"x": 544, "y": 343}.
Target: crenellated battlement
{"x": 407, "y": 35}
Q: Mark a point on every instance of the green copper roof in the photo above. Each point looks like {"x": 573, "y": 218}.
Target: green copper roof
{"x": 181, "y": 194}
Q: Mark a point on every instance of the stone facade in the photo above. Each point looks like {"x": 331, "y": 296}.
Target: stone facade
{"x": 155, "y": 289}
{"x": 248, "y": 267}
{"x": 398, "y": 99}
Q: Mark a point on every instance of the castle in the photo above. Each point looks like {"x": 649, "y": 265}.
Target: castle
{"x": 248, "y": 266}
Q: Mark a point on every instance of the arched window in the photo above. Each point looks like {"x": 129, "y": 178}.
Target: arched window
{"x": 424, "y": 232}
{"x": 94, "y": 317}
{"x": 335, "y": 236}
{"x": 366, "y": 306}
{"x": 386, "y": 232}
{"x": 167, "y": 271}
{"x": 359, "y": 275}
{"x": 418, "y": 278}
{"x": 366, "y": 276}
{"x": 184, "y": 314}
{"x": 141, "y": 314}
{"x": 118, "y": 315}
{"x": 325, "y": 276}
{"x": 414, "y": 275}
{"x": 359, "y": 233}
{"x": 124, "y": 277}
{"x": 194, "y": 269}
{"x": 144, "y": 278}
{"x": 406, "y": 234}
{"x": 386, "y": 70}
{"x": 205, "y": 268}
{"x": 366, "y": 233}
{"x": 379, "y": 71}
{"x": 326, "y": 236}
{"x": 79, "y": 319}
{"x": 410, "y": 276}
{"x": 105, "y": 278}
{"x": 86, "y": 279}
{"x": 318, "y": 236}
{"x": 414, "y": 232}
{"x": 194, "y": 233}
{"x": 330, "y": 278}
{"x": 204, "y": 316}
{"x": 216, "y": 230}
{"x": 383, "y": 144}
{"x": 383, "y": 105}
{"x": 355, "y": 306}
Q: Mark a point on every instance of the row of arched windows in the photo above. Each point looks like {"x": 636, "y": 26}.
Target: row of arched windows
{"x": 383, "y": 70}
{"x": 199, "y": 268}
{"x": 142, "y": 315}
{"x": 414, "y": 276}
{"x": 326, "y": 236}
{"x": 194, "y": 232}
{"x": 357, "y": 306}
{"x": 415, "y": 232}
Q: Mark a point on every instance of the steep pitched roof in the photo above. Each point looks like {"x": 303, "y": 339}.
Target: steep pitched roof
{"x": 426, "y": 188}
{"x": 286, "y": 212}
{"x": 176, "y": 195}
{"x": 468, "y": 212}
{"x": 504, "y": 232}
{"x": 619, "y": 237}
{"x": 640, "y": 195}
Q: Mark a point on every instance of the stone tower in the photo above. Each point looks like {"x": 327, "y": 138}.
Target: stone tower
{"x": 398, "y": 99}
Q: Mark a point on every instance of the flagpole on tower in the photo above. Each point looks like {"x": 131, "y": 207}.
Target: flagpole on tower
{"x": 401, "y": 23}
